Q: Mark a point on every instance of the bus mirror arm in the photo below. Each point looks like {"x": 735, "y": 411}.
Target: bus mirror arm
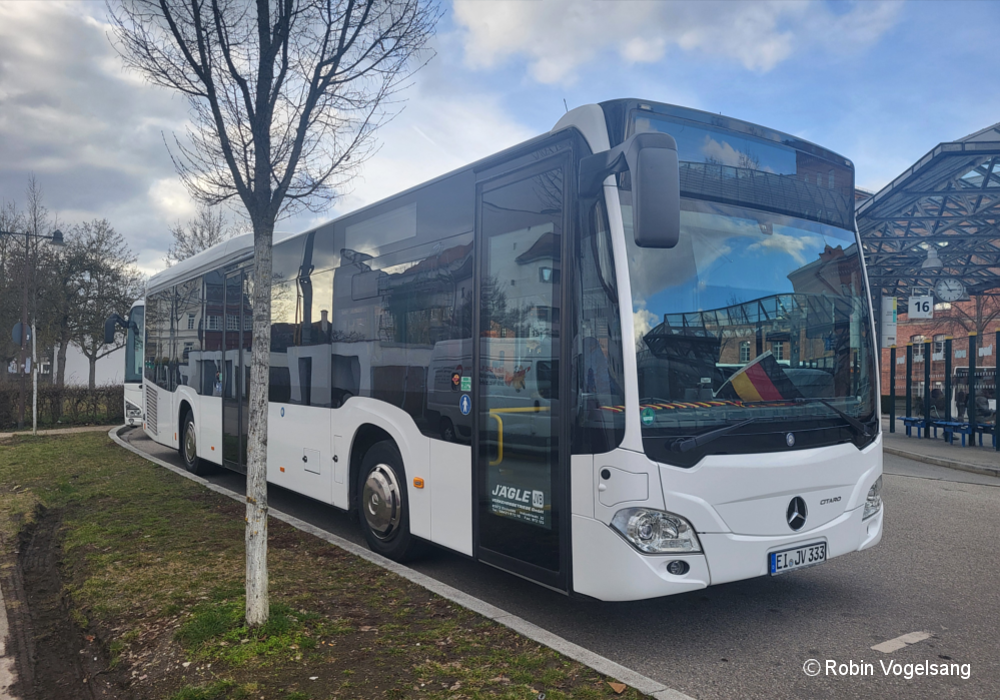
{"x": 109, "y": 327}
{"x": 651, "y": 160}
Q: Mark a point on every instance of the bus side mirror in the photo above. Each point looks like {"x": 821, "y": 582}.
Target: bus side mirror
{"x": 113, "y": 321}
{"x": 651, "y": 160}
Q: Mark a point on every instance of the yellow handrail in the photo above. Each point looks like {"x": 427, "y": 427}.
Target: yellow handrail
{"x": 494, "y": 416}
{"x": 499, "y": 458}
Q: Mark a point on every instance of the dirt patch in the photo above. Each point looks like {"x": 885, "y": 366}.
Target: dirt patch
{"x": 55, "y": 658}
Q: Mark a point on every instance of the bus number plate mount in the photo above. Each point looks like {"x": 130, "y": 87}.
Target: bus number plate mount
{"x": 799, "y": 557}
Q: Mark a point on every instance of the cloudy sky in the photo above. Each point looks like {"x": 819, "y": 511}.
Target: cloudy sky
{"x": 879, "y": 82}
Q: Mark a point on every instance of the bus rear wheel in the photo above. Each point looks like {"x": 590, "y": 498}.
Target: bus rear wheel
{"x": 189, "y": 447}
{"x": 384, "y": 506}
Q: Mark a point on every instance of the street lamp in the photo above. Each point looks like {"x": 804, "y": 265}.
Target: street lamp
{"x": 55, "y": 239}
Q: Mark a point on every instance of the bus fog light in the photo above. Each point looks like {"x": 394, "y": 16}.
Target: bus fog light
{"x": 874, "y": 502}
{"x": 656, "y": 532}
{"x": 678, "y": 567}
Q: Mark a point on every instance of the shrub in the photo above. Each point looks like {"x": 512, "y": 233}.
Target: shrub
{"x": 70, "y": 405}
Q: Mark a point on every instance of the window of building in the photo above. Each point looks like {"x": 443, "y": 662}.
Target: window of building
{"x": 939, "y": 344}
{"x": 744, "y": 351}
{"x": 190, "y": 322}
{"x": 918, "y": 347}
{"x": 548, "y": 275}
{"x": 778, "y": 349}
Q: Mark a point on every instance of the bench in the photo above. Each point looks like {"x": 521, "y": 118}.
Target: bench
{"x": 920, "y": 424}
{"x": 963, "y": 429}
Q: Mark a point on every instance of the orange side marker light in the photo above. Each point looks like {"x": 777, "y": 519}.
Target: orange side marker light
{"x": 281, "y": 468}
{"x": 418, "y": 482}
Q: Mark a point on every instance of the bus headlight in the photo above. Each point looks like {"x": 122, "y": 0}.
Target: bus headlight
{"x": 656, "y": 532}
{"x": 874, "y": 503}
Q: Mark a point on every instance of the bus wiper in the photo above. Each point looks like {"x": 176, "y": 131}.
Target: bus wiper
{"x": 854, "y": 422}
{"x": 688, "y": 444}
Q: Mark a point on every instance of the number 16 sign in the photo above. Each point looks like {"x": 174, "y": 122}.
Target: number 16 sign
{"x": 920, "y": 307}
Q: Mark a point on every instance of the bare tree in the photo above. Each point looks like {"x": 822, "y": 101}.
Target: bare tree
{"x": 208, "y": 227}
{"x": 11, "y": 273}
{"x": 975, "y": 315}
{"x": 285, "y": 96}
{"x": 106, "y": 282}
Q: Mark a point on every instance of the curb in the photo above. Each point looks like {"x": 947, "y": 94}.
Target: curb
{"x": 601, "y": 664}
{"x": 58, "y": 431}
{"x": 951, "y": 464}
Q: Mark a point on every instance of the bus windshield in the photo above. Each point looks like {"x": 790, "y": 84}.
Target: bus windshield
{"x": 133, "y": 346}
{"x": 752, "y": 315}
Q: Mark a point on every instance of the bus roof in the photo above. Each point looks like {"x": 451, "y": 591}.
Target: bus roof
{"x": 615, "y": 111}
{"x": 221, "y": 254}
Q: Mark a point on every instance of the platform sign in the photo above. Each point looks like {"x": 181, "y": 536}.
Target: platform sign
{"x": 920, "y": 307}
{"x": 888, "y": 324}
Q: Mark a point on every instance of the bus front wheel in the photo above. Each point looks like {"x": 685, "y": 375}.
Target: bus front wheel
{"x": 189, "y": 447}
{"x": 384, "y": 506}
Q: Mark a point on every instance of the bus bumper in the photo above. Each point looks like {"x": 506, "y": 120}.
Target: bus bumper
{"x": 622, "y": 573}
{"x": 736, "y": 557}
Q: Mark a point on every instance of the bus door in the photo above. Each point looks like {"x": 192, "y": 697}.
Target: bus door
{"x": 237, "y": 329}
{"x": 521, "y": 455}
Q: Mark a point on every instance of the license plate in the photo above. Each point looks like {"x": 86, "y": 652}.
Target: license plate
{"x": 797, "y": 558}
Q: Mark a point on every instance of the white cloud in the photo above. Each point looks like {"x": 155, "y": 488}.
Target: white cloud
{"x": 558, "y": 37}
{"x": 435, "y": 134}
{"x": 720, "y": 152}
{"x": 90, "y": 133}
{"x": 792, "y": 245}
{"x": 172, "y": 199}
{"x": 642, "y": 323}
{"x": 93, "y": 134}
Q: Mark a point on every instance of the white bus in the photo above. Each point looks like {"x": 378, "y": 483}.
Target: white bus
{"x": 628, "y": 358}
{"x": 134, "y": 327}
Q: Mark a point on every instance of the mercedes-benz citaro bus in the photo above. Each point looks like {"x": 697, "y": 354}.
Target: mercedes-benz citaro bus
{"x": 134, "y": 334}
{"x": 628, "y": 358}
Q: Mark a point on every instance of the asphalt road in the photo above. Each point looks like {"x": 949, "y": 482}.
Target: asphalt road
{"x": 935, "y": 571}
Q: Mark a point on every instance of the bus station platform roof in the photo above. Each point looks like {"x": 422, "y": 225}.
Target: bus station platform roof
{"x": 947, "y": 203}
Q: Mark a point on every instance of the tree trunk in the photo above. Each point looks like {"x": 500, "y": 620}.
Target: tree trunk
{"x": 92, "y": 379}
{"x": 257, "y": 607}
{"x": 61, "y": 363}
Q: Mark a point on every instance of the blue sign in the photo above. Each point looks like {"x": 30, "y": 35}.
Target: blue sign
{"x": 465, "y": 404}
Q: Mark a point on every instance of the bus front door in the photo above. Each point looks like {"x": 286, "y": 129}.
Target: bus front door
{"x": 236, "y": 370}
{"x": 521, "y": 510}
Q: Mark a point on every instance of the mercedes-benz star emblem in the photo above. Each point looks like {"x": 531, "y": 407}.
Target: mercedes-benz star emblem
{"x": 796, "y": 513}
{"x": 790, "y": 440}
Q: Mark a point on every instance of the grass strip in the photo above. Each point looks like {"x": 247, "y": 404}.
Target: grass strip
{"x": 153, "y": 567}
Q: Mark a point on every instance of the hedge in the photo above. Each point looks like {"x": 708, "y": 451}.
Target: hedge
{"x": 69, "y": 405}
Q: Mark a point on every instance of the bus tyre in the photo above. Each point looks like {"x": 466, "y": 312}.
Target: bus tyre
{"x": 189, "y": 447}
{"x": 447, "y": 430}
{"x": 383, "y": 504}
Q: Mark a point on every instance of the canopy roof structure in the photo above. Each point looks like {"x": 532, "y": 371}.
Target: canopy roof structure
{"x": 947, "y": 203}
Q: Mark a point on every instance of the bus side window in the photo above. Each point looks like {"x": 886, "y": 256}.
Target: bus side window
{"x": 598, "y": 362}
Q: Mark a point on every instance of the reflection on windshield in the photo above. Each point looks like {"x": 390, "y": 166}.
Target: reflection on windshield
{"x": 749, "y": 314}
{"x": 133, "y": 346}
{"x": 747, "y": 168}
